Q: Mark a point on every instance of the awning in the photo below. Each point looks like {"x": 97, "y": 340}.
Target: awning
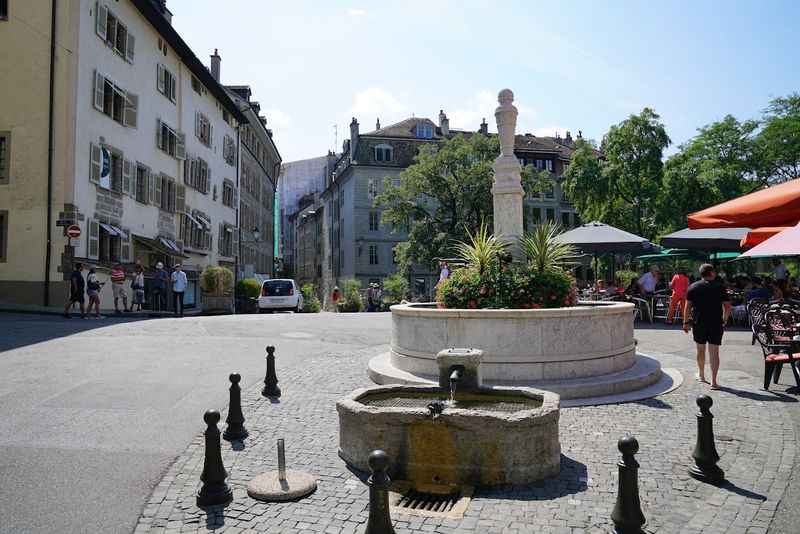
{"x": 110, "y": 230}
{"x": 778, "y": 205}
{"x": 708, "y": 239}
{"x": 229, "y": 229}
{"x": 170, "y": 244}
{"x": 783, "y": 244}
{"x": 195, "y": 221}
{"x": 759, "y": 235}
{"x": 596, "y": 237}
{"x": 204, "y": 221}
{"x": 156, "y": 246}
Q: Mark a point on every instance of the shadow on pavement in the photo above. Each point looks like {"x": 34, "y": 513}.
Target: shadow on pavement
{"x": 654, "y": 403}
{"x": 733, "y": 488}
{"x": 768, "y": 396}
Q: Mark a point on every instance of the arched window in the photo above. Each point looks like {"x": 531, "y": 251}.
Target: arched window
{"x": 383, "y": 153}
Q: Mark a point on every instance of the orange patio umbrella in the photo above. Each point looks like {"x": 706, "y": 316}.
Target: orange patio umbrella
{"x": 759, "y": 235}
{"x": 778, "y": 205}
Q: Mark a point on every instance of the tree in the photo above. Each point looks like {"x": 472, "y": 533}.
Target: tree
{"x": 445, "y": 195}
{"x": 721, "y": 162}
{"x": 622, "y": 187}
{"x": 779, "y": 139}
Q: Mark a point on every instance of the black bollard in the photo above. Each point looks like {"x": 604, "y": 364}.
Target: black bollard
{"x": 235, "y": 430}
{"x": 214, "y": 489}
{"x": 379, "y": 521}
{"x": 271, "y": 388}
{"x": 627, "y": 514}
{"x": 705, "y": 455}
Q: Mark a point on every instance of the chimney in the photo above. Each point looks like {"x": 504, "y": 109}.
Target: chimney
{"x": 444, "y": 123}
{"x": 568, "y": 138}
{"x": 580, "y": 134}
{"x": 484, "y": 128}
{"x": 353, "y": 138}
{"x": 216, "y": 62}
{"x": 378, "y": 124}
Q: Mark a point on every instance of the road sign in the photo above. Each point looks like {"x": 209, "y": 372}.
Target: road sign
{"x": 63, "y": 222}
{"x": 74, "y": 231}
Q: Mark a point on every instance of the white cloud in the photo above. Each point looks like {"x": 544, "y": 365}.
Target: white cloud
{"x": 353, "y": 12}
{"x": 277, "y": 118}
{"x": 482, "y": 106}
{"x": 378, "y": 102}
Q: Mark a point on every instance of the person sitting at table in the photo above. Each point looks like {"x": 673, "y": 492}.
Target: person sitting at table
{"x": 611, "y": 288}
{"x": 649, "y": 280}
{"x": 600, "y": 286}
{"x": 776, "y": 293}
{"x": 633, "y": 288}
{"x": 757, "y": 290}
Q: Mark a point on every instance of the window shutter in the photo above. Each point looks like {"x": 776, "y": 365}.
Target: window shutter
{"x": 99, "y": 86}
{"x": 101, "y": 12}
{"x": 127, "y": 177}
{"x": 158, "y": 133}
{"x": 235, "y": 242}
{"x": 95, "y": 157}
{"x": 208, "y": 180}
{"x": 210, "y": 134}
{"x": 93, "y": 241}
{"x": 157, "y": 190}
{"x": 220, "y": 240}
{"x": 197, "y": 124}
{"x": 180, "y": 198}
{"x": 235, "y": 197}
{"x": 131, "y": 109}
{"x": 180, "y": 146}
{"x": 129, "y": 48}
{"x": 126, "y": 255}
{"x": 161, "y": 83}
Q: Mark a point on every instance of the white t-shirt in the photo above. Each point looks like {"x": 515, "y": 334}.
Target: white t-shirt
{"x": 648, "y": 282}
{"x": 780, "y": 272}
{"x": 179, "y": 281}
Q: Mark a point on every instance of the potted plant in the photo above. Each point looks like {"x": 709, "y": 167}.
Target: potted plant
{"x": 217, "y": 286}
{"x": 247, "y": 293}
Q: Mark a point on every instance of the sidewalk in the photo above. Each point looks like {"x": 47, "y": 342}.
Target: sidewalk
{"x": 7, "y": 307}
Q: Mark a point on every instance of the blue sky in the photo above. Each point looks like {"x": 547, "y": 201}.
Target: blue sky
{"x": 572, "y": 65}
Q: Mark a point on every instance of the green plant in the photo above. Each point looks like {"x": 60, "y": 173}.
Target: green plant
{"x": 484, "y": 250}
{"x": 351, "y": 297}
{"x": 311, "y": 303}
{"x": 625, "y": 277}
{"x": 248, "y": 288}
{"x": 543, "y": 251}
{"x": 395, "y": 288}
{"x": 217, "y": 281}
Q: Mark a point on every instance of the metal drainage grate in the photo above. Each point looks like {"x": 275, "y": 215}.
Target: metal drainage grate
{"x": 449, "y": 502}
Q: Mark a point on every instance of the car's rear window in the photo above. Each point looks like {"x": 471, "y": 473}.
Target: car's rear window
{"x": 277, "y": 288}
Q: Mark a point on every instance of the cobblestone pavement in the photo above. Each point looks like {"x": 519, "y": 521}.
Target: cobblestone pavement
{"x": 755, "y": 439}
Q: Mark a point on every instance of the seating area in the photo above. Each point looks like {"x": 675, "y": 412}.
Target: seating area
{"x": 776, "y": 328}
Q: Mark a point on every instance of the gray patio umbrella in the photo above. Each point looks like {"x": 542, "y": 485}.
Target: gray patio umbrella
{"x": 599, "y": 238}
{"x": 707, "y": 239}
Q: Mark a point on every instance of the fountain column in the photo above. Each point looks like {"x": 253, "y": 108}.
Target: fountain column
{"x": 507, "y": 189}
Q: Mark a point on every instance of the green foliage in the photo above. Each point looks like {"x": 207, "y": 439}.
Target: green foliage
{"x": 483, "y": 251}
{"x": 395, "y": 288}
{"x": 311, "y": 303}
{"x": 351, "y": 298}
{"x": 507, "y": 287}
{"x": 248, "y": 288}
{"x": 544, "y": 253}
{"x": 625, "y": 277}
{"x": 443, "y": 197}
{"x": 622, "y": 188}
{"x": 779, "y": 139}
{"x": 216, "y": 281}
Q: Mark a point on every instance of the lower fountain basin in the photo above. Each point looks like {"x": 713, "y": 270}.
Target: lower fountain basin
{"x": 491, "y": 436}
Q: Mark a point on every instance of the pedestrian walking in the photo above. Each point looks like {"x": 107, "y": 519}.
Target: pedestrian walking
{"x": 93, "y": 287}
{"x": 160, "y": 288}
{"x": 118, "y": 287}
{"x": 335, "y": 296}
{"x": 77, "y": 290}
{"x": 679, "y": 285}
{"x": 706, "y": 311}
{"x": 179, "y": 282}
{"x": 137, "y": 286}
{"x": 371, "y": 298}
{"x": 779, "y": 270}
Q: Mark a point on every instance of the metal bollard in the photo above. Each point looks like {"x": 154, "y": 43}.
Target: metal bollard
{"x": 705, "y": 454}
{"x": 271, "y": 388}
{"x": 627, "y": 513}
{"x": 235, "y": 429}
{"x": 214, "y": 490}
{"x": 379, "y": 521}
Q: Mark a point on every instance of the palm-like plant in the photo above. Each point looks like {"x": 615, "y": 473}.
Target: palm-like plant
{"x": 544, "y": 253}
{"x": 483, "y": 250}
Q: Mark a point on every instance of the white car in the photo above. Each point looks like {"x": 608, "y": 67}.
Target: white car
{"x": 280, "y": 294}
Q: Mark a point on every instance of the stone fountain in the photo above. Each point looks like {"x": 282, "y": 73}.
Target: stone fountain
{"x": 458, "y": 432}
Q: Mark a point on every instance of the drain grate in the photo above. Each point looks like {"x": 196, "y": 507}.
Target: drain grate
{"x": 430, "y": 501}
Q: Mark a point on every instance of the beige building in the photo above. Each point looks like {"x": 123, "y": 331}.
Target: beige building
{"x": 131, "y": 138}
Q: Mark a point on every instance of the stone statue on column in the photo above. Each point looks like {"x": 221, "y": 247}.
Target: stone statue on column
{"x": 507, "y": 189}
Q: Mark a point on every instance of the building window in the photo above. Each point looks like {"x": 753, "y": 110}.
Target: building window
{"x": 196, "y": 174}
{"x": 372, "y": 188}
{"x": 166, "y": 193}
{"x": 112, "y": 100}
{"x": 115, "y": 34}
{"x": 228, "y": 194}
{"x": 226, "y": 239}
{"x": 5, "y": 156}
{"x": 229, "y": 150}
{"x": 110, "y": 243}
{"x": 166, "y": 83}
{"x": 197, "y": 86}
{"x": 109, "y": 170}
{"x": 170, "y": 141}
{"x": 424, "y": 131}
{"x": 374, "y": 221}
{"x": 548, "y": 192}
{"x": 383, "y": 153}
{"x": 548, "y": 163}
{"x": 373, "y": 255}
{"x": 3, "y": 9}
{"x": 536, "y": 215}
{"x": 565, "y": 219}
{"x": 202, "y": 128}
{"x": 142, "y": 187}
{"x": 551, "y": 215}
{"x": 3, "y": 236}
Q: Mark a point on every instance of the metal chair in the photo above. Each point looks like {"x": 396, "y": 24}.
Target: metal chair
{"x": 775, "y": 335}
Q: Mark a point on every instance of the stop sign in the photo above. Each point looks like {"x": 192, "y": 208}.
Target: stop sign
{"x": 74, "y": 231}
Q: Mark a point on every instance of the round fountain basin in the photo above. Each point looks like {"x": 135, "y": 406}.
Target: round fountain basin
{"x": 491, "y": 436}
